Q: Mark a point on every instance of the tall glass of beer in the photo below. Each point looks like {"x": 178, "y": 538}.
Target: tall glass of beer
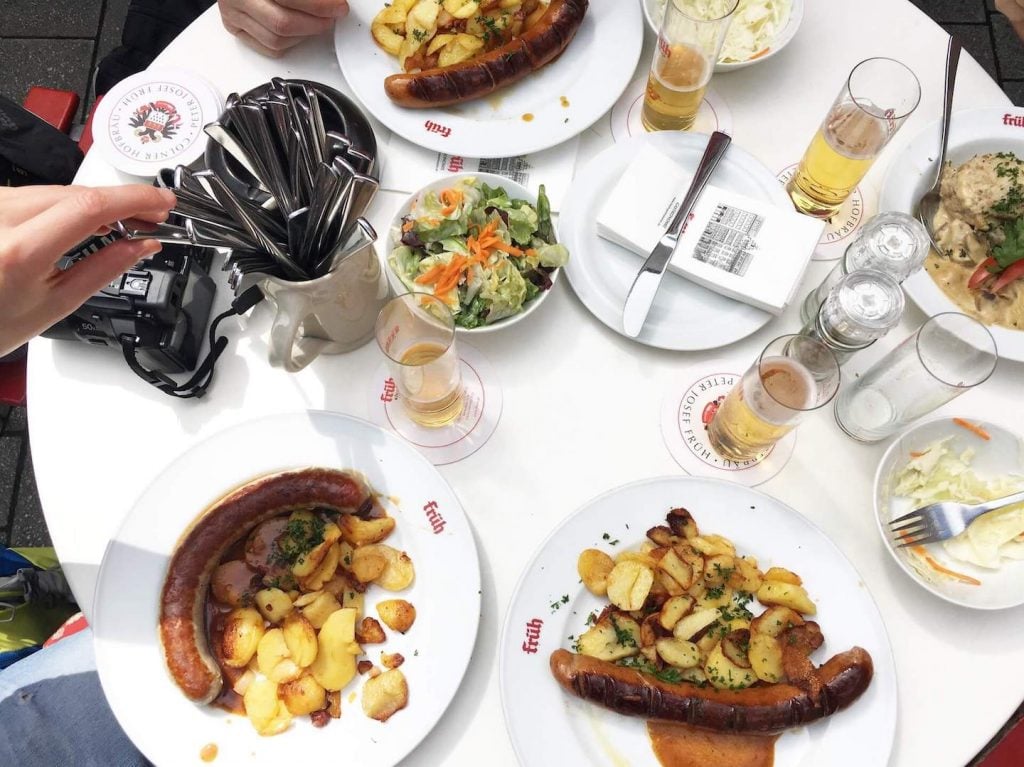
{"x": 691, "y": 36}
{"x": 877, "y": 98}
{"x": 794, "y": 375}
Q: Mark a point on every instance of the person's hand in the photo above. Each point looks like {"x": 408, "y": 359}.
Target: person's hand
{"x": 273, "y": 26}
{"x": 38, "y": 224}
{"x": 1014, "y": 11}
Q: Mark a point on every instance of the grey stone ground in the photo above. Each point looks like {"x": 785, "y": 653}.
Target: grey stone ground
{"x": 56, "y": 43}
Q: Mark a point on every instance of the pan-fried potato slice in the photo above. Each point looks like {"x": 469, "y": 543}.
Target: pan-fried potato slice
{"x": 735, "y": 645}
{"x": 243, "y": 630}
{"x": 711, "y": 545}
{"x": 453, "y": 6}
{"x": 673, "y": 610}
{"x": 308, "y": 561}
{"x": 462, "y": 48}
{"x": 773, "y": 621}
{"x": 385, "y": 694}
{"x": 765, "y": 656}
{"x": 688, "y": 626}
{"x": 593, "y": 567}
{"x": 335, "y": 663}
{"x": 726, "y": 675}
{"x": 268, "y": 714}
{"x": 399, "y": 572}
{"x": 663, "y": 580}
{"x": 300, "y": 638}
{"x": 468, "y": 10}
{"x": 783, "y": 575}
{"x": 629, "y": 583}
{"x": 303, "y": 695}
{"x": 368, "y": 564}
{"x": 273, "y": 604}
{"x": 360, "y": 532}
{"x": 681, "y": 572}
{"x": 395, "y": 13}
{"x": 369, "y": 631}
{"x": 324, "y": 571}
{"x": 386, "y": 38}
{"x": 397, "y": 614}
{"x": 746, "y": 577}
{"x": 317, "y": 609}
{"x": 640, "y": 557}
{"x": 678, "y": 652}
{"x": 787, "y": 595}
{"x": 718, "y": 569}
{"x": 274, "y": 660}
{"x": 439, "y": 41}
{"x": 611, "y": 638}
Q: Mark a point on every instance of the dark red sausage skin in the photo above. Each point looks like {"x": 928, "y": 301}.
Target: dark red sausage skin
{"x": 762, "y": 710}
{"x": 182, "y": 602}
{"x": 539, "y": 45}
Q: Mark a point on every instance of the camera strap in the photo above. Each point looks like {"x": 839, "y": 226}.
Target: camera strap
{"x": 200, "y": 381}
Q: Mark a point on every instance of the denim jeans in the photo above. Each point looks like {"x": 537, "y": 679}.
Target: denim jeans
{"x": 53, "y": 713}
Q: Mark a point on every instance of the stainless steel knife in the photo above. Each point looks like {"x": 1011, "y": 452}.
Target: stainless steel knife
{"x": 645, "y": 286}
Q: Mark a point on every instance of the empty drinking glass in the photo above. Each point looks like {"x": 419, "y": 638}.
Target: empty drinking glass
{"x": 949, "y": 354}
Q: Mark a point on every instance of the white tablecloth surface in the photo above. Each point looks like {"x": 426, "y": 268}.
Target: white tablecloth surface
{"x": 580, "y": 417}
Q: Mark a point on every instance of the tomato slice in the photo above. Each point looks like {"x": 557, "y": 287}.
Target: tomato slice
{"x": 1010, "y": 274}
{"x": 982, "y": 273}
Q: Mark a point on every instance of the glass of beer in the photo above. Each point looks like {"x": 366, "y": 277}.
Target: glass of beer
{"x": 877, "y": 98}
{"x": 416, "y": 332}
{"x": 794, "y": 375}
{"x": 691, "y": 36}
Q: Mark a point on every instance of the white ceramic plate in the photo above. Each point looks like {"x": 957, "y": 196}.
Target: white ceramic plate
{"x": 685, "y": 316}
{"x": 1003, "y": 454}
{"x": 515, "y": 191}
{"x": 973, "y": 132}
{"x": 590, "y": 75}
{"x": 655, "y": 9}
{"x": 168, "y": 728}
{"x": 550, "y": 727}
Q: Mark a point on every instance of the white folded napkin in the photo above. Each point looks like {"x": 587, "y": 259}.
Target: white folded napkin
{"x": 746, "y": 249}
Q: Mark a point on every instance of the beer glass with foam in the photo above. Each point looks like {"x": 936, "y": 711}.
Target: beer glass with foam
{"x": 689, "y": 41}
{"x": 795, "y": 375}
{"x": 878, "y": 96}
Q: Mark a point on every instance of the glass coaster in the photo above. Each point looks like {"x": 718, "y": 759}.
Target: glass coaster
{"x": 714, "y": 114}
{"x": 839, "y": 230}
{"x": 481, "y": 411}
{"x": 686, "y": 411}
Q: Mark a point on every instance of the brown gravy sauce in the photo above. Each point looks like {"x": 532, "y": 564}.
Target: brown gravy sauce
{"x": 679, "y": 745}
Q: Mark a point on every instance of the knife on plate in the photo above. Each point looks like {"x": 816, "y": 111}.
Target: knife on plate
{"x": 645, "y": 286}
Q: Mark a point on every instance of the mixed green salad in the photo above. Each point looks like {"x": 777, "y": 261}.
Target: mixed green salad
{"x": 484, "y": 254}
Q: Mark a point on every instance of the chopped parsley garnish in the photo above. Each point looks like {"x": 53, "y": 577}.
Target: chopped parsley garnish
{"x": 1012, "y": 248}
{"x": 557, "y": 604}
{"x": 667, "y": 674}
{"x": 623, "y": 636}
{"x": 299, "y": 538}
{"x": 716, "y": 592}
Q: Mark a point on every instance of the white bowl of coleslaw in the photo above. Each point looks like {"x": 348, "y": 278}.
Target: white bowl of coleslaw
{"x": 759, "y": 30}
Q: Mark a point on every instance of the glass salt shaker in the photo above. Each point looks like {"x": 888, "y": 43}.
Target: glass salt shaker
{"x": 894, "y": 243}
{"x": 859, "y": 309}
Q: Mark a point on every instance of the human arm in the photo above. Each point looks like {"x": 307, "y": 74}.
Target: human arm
{"x": 40, "y": 223}
{"x": 273, "y": 26}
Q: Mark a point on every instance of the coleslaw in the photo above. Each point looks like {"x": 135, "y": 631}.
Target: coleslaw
{"x": 753, "y": 29}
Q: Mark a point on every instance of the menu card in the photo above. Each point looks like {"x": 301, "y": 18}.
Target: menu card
{"x": 410, "y": 167}
{"x": 743, "y": 248}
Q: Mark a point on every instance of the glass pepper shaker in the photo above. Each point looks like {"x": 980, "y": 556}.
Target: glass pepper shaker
{"x": 893, "y": 243}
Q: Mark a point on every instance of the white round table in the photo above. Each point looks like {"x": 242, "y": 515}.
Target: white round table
{"x": 99, "y": 435}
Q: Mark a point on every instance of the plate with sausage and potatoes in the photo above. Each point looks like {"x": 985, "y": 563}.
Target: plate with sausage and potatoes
{"x": 688, "y": 621}
{"x": 489, "y": 78}
{"x": 272, "y": 595}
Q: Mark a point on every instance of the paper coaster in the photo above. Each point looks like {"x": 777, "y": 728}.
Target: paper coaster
{"x": 714, "y": 114}
{"x": 839, "y": 230}
{"x": 481, "y": 411}
{"x": 687, "y": 410}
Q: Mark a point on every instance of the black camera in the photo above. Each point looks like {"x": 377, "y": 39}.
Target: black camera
{"x": 156, "y": 313}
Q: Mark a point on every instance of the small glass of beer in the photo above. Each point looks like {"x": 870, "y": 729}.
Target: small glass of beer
{"x": 794, "y": 375}
{"x": 416, "y": 332}
{"x": 691, "y": 36}
{"x": 879, "y": 95}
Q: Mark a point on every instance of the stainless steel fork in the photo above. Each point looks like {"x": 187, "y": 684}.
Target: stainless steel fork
{"x": 946, "y": 519}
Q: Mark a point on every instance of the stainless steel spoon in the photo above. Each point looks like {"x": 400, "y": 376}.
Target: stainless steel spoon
{"x": 929, "y": 204}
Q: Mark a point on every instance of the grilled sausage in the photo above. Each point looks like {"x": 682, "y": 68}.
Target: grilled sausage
{"x": 539, "y": 45}
{"x": 182, "y": 602}
{"x": 768, "y": 709}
